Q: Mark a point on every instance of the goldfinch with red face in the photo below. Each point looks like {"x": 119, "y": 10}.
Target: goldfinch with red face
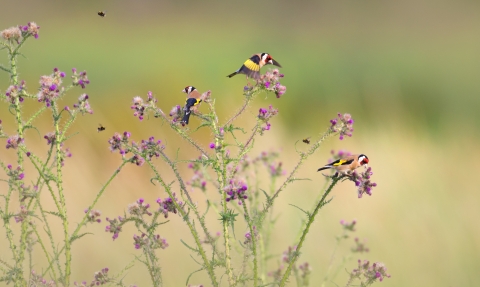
{"x": 346, "y": 165}
{"x": 251, "y": 67}
{"x": 193, "y": 99}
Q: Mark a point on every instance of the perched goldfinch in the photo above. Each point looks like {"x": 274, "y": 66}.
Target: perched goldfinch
{"x": 193, "y": 99}
{"x": 347, "y": 165}
{"x": 252, "y": 66}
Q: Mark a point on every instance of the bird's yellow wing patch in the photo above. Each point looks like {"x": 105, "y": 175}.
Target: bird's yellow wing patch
{"x": 251, "y": 65}
{"x": 340, "y": 162}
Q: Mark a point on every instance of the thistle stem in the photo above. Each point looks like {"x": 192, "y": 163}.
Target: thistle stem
{"x": 311, "y": 218}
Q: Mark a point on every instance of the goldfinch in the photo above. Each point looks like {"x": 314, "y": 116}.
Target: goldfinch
{"x": 193, "y": 99}
{"x": 346, "y": 165}
{"x": 102, "y": 13}
{"x": 252, "y": 66}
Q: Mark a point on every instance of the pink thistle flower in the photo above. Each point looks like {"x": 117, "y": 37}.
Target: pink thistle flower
{"x": 168, "y": 206}
{"x": 14, "y": 141}
{"x": 11, "y": 34}
{"x": 342, "y": 124}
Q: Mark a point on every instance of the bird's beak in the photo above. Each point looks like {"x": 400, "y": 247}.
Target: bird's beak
{"x": 183, "y": 91}
{"x": 366, "y": 165}
{"x": 273, "y": 62}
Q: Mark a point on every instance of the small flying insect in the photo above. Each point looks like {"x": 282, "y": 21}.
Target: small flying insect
{"x": 100, "y": 128}
{"x": 307, "y": 140}
{"x": 102, "y": 13}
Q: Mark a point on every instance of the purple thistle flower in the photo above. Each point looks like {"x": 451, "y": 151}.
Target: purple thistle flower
{"x": 248, "y": 235}
{"x": 342, "y": 124}
{"x": 271, "y": 82}
{"x": 140, "y": 106}
{"x": 14, "y": 91}
{"x": 150, "y": 148}
{"x": 369, "y": 272}
{"x": 12, "y": 34}
{"x": 138, "y": 160}
{"x": 363, "y": 182}
{"x": 115, "y": 226}
{"x": 21, "y": 215}
{"x": 212, "y": 145}
{"x": 50, "y": 88}
{"x": 168, "y": 206}
{"x": 119, "y": 142}
{"x": 80, "y": 79}
{"x": 348, "y": 226}
{"x": 138, "y": 209}
{"x": 265, "y": 115}
{"x": 50, "y": 137}
{"x": 236, "y": 189}
{"x": 83, "y": 105}
{"x": 93, "y": 216}
{"x": 14, "y": 141}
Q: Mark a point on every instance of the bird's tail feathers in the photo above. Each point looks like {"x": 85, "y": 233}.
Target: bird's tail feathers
{"x": 232, "y": 74}
{"x": 186, "y": 117}
{"x": 325, "y": 167}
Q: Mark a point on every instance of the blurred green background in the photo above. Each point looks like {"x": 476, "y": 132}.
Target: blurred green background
{"x": 408, "y": 72}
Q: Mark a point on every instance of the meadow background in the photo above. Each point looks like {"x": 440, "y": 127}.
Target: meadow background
{"x": 408, "y": 71}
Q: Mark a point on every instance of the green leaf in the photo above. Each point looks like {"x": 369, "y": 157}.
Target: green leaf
{"x": 307, "y": 213}
{"x": 188, "y": 278}
{"x": 188, "y": 246}
{"x": 55, "y": 214}
{"x": 228, "y": 217}
{"x": 73, "y": 238}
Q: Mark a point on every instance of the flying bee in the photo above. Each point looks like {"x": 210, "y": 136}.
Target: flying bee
{"x": 307, "y": 140}
{"x": 100, "y": 128}
{"x": 102, "y": 13}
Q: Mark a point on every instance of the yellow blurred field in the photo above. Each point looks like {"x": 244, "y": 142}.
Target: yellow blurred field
{"x": 407, "y": 72}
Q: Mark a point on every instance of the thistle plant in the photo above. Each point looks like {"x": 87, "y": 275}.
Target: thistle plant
{"x": 226, "y": 171}
{"x": 29, "y": 223}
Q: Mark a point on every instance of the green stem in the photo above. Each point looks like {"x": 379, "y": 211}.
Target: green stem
{"x": 311, "y": 218}
{"x": 42, "y": 174}
{"x": 254, "y": 243}
{"x": 50, "y": 236}
{"x": 201, "y": 219}
{"x": 221, "y": 171}
{"x": 75, "y": 233}
{"x": 249, "y": 95}
{"x": 36, "y": 162}
{"x": 184, "y": 215}
{"x": 32, "y": 118}
{"x": 149, "y": 267}
{"x": 6, "y": 223}
{"x": 175, "y": 127}
{"x": 20, "y": 255}
{"x": 99, "y": 194}
{"x": 330, "y": 264}
{"x": 183, "y": 188}
{"x": 45, "y": 252}
{"x": 153, "y": 267}
{"x": 291, "y": 177}
{"x": 59, "y": 181}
